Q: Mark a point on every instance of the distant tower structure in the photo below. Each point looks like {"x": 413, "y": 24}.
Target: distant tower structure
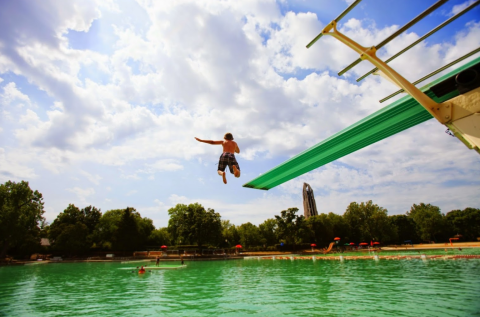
{"x": 309, "y": 205}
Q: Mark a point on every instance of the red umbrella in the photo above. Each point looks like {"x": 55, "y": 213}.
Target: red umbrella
{"x": 238, "y": 246}
{"x": 336, "y": 239}
{"x": 376, "y": 242}
{"x": 352, "y": 243}
{"x": 313, "y": 245}
{"x": 163, "y": 247}
{"x": 363, "y": 243}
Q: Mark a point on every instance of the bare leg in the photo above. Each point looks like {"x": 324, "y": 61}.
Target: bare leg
{"x": 223, "y": 175}
{"x": 236, "y": 171}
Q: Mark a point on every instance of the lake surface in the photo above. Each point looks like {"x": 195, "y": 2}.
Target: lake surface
{"x": 245, "y": 287}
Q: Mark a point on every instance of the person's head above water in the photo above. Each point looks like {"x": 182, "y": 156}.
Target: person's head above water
{"x": 228, "y": 136}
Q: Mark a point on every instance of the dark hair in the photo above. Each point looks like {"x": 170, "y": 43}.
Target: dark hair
{"x": 228, "y": 136}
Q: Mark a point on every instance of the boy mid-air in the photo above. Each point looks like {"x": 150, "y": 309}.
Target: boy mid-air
{"x": 230, "y": 147}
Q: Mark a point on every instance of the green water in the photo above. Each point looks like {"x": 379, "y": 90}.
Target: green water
{"x": 245, "y": 288}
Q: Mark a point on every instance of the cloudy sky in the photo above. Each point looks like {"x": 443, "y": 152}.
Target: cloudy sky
{"x": 100, "y": 102}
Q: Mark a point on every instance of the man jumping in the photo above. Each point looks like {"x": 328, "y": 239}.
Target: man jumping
{"x": 230, "y": 147}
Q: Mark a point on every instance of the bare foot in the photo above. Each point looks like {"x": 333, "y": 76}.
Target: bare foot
{"x": 223, "y": 176}
{"x": 236, "y": 172}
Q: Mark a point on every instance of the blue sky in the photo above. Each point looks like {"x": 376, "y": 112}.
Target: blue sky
{"x": 100, "y": 102}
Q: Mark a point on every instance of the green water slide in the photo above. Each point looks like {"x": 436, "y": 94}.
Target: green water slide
{"x": 396, "y": 117}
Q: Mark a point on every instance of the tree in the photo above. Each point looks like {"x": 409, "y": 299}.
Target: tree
{"x": 73, "y": 239}
{"x": 321, "y": 229}
{"x": 177, "y": 224}
{"x": 128, "y": 231}
{"x": 465, "y": 222}
{"x": 123, "y": 229}
{"x": 105, "y": 231}
{"x": 159, "y": 237}
{"x": 21, "y": 211}
{"x": 367, "y": 222}
{"x": 268, "y": 231}
{"x": 193, "y": 224}
{"x": 206, "y": 227}
{"x": 405, "y": 229}
{"x": 339, "y": 226}
{"x": 291, "y": 227}
{"x": 73, "y": 229}
{"x": 230, "y": 234}
{"x": 249, "y": 235}
{"x": 429, "y": 220}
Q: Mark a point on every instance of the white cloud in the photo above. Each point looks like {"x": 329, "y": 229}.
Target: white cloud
{"x": 92, "y": 178}
{"x": 132, "y": 192}
{"x": 459, "y": 7}
{"x": 82, "y": 193}
{"x": 14, "y": 167}
{"x": 11, "y": 94}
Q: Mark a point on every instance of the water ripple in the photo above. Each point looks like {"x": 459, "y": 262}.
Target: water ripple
{"x": 238, "y": 288}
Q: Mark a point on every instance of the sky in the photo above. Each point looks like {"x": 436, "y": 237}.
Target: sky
{"x": 100, "y": 102}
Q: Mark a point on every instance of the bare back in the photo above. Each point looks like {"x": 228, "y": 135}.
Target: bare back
{"x": 230, "y": 146}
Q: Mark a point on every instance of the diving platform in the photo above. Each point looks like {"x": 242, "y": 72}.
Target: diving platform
{"x": 453, "y": 100}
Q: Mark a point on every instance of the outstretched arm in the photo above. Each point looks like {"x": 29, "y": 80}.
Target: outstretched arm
{"x": 208, "y": 141}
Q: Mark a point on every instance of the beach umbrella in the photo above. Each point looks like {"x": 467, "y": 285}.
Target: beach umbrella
{"x": 163, "y": 247}
{"x": 337, "y": 239}
{"x": 376, "y": 242}
{"x": 363, "y": 243}
{"x": 352, "y": 243}
{"x": 313, "y": 245}
{"x": 347, "y": 244}
{"x": 238, "y": 246}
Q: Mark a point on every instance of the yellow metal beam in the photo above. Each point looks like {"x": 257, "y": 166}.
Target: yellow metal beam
{"x": 369, "y": 53}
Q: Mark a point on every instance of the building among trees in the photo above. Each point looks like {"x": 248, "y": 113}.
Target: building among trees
{"x": 309, "y": 205}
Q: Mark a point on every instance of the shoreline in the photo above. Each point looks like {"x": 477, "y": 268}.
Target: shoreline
{"x": 272, "y": 254}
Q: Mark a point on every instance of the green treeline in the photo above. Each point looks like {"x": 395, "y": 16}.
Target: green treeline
{"x": 78, "y": 231}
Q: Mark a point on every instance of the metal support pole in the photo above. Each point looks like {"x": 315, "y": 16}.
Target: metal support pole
{"x": 398, "y": 32}
{"x": 424, "y": 37}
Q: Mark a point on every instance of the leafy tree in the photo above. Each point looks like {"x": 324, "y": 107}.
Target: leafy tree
{"x": 429, "y": 220}
{"x": 205, "y": 224}
{"x": 465, "y": 222}
{"x": 123, "y": 229}
{"x": 230, "y": 234}
{"x": 128, "y": 231}
{"x": 79, "y": 223}
{"x": 339, "y": 226}
{"x": 73, "y": 239}
{"x": 291, "y": 227}
{"x": 249, "y": 235}
{"x": 194, "y": 225}
{"x": 268, "y": 232}
{"x": 321, "y": 229}
{"x": 367, "y": 222}
{"x": 177, "y": 224}
{"x": 105, "y": 231}
{"x": 145, "y": 228}
{"x": 405, "y": 229}
{"x": 160, "y": 237}
{"x": 21, "y": 211}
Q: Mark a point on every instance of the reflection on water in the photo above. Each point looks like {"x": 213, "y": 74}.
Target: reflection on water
{"x": 240, "y": 288}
